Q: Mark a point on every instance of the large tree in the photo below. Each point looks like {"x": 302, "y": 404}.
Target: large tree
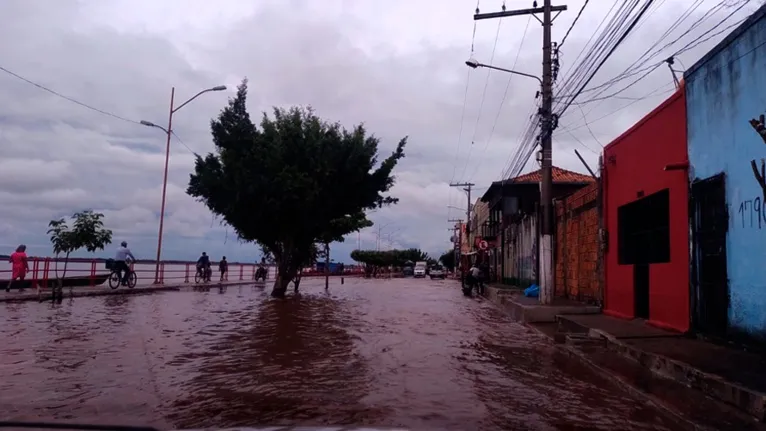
{"x": 293, "y": 182}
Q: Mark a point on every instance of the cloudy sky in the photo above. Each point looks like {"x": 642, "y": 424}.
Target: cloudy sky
{"x": 396, "y": 65}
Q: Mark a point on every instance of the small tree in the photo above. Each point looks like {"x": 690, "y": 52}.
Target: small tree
{"x": 448, "y": 259}
{"x": 87, "y": 232}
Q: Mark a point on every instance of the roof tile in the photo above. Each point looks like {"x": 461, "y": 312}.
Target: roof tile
{"x": 560, "y": 176}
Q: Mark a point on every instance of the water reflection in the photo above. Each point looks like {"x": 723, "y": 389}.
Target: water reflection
{"x": 291, "y": 361}
{"x": 410, "y": 353}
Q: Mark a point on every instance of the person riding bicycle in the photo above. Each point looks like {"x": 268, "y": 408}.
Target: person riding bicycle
{"x": 121, "y": 262}
{"x": 203, "y": 265}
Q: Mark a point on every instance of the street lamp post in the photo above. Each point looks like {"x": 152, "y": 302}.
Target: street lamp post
{"x": 168, "y": 132}
{"x": 546, "y": 181}
{"x": 473, "y": 64}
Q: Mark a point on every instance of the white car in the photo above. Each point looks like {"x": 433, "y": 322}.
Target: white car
{"x": 419, "y": 272}
{"x": 437, "y": 272}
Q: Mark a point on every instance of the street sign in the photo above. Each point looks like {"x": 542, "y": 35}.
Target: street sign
{"x": 483, "y": 245}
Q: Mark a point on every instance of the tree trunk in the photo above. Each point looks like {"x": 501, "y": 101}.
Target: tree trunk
{"x": 297, "y": 282}
{"x": 327, "y": 266}
{"x": 66, "y": 262}
{"x": 285, "y": 274}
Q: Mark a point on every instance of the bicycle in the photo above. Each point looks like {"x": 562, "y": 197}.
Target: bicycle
{"x": 115, "y": 279}
{"x": 199, "y": 276}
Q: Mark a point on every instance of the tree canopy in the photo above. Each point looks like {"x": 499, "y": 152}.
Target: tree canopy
{"x": 398, "y": 258}
{"x": 87, "y": 232}
{"x": 293, "y": 182}
{"x": 448, "y": 259}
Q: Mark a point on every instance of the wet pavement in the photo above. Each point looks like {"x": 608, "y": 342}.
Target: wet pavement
{"x": 401, "y": 352}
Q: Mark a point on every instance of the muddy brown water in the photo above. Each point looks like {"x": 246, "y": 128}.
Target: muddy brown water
{"x": 402, "y": 352}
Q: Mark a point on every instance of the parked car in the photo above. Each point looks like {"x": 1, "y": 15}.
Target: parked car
{"x": 437, "y": 272}
{"x": 420, "y": 269}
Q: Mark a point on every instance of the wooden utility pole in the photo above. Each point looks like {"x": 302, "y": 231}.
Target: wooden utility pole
{"x": 545, "y": 246}
{"x": 458, "y": 236}
{"x": 467, "y": 188}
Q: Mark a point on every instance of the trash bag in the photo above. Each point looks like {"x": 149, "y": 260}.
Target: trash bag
{"x": 532, "y": 291}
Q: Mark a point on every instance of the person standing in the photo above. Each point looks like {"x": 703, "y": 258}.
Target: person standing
{"x": 223, "y": 266}
{"x": 20, "y": 266}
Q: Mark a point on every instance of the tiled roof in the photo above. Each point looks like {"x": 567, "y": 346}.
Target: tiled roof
{"x": 560, "y": 176}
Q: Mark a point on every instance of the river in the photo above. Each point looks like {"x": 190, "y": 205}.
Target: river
{"x": 401, "y": 352}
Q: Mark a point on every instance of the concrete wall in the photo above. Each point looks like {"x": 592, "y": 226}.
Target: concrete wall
{"x": 725, "y": 90}
{"x": 521, "y": 252}
{"x": 634, "y": 165}
{"x": 577, "y": 271}
{"x": 479, "y": 214}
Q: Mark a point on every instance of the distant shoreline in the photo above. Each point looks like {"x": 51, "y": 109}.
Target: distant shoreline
{"x": 4, "y": 257}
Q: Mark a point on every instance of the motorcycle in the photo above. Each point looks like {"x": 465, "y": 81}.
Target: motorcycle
{"x": 469, "y": 283}
{"x": 261, "y": 273}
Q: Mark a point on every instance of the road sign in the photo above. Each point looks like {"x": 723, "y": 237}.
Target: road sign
{"x": 483, "y": 245}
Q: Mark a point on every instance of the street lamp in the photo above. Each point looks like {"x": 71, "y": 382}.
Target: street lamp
{"x": 380, "y": 229}
{"x": 168, "y": 132}
{"x": 473, "y": 64}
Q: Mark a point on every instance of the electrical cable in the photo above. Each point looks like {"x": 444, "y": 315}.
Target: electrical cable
{"x": 483, "y": 98}
{"x": 462, "y": 115}
{"x": 55, "y": 93}
{"x": 564, "y": 39}
{"x": 502, "y": 101}
{"x": 611, "y": 51}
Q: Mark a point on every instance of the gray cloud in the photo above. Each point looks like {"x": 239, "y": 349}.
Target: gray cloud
{"x": 399, "y": 69}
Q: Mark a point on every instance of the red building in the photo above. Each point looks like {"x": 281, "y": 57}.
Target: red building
{"x": 646, "y": 216}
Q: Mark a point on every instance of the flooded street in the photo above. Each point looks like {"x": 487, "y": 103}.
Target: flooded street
{"x": 410, "y": 353}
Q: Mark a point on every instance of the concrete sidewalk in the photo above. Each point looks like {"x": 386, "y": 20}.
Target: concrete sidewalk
{"x": 104, "y": 289}
{"x": 529, "y": 310}
{"x": 728, "y": 374}
{"x": 705, "y": 385}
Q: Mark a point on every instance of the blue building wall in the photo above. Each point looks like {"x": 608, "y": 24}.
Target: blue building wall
{"x": 724, "y": 91}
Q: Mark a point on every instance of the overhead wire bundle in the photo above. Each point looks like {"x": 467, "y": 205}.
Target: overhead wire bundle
{"x": 622, "y": 22}
{"x": 655, "y": 56}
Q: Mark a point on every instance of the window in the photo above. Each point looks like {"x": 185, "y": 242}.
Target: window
{"x": 643, "y": 232}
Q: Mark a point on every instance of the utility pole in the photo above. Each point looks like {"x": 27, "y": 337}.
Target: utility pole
{"x": 458, "y": 237}
{"x": 545, "y": 246}
{"x": 467, "y": 188}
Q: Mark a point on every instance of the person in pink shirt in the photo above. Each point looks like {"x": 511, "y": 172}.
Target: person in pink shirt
{"x": 20, "y": 266}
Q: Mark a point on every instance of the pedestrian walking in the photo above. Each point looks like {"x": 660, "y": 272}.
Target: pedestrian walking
{"x": 223, "y": 266}
{"x": 20, "y": 266}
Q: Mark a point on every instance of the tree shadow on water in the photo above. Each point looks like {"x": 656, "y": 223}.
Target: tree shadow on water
{"x": 293, "y": 362}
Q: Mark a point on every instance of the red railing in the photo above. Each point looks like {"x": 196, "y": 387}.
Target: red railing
{"x": 91, "y": 272}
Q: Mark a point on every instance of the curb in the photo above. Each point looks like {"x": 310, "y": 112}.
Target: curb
{"x": 48, "y": 294}
{"x": 616, "y": 380}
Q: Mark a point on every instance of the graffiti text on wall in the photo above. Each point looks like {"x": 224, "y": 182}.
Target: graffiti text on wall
{"x": 759, "y": 125}
{"x": 751, "y": 213}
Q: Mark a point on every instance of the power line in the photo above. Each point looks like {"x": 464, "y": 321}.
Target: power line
{"x": 573, "y": 23}
{"x": 182, "y": 143}
{"x": 505, "y": 95}
{"x": 483, "y": 97}
{"x": 609, "y": 54}
{"x": 55, "y": 93}
{"x": 85, "y": 105}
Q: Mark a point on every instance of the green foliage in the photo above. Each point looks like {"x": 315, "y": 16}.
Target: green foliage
{"x": 448, "y": 259}
{"x": 293, "y": 182}
{"x": 398, "y": 258}
{"x": 87, "y": 232}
